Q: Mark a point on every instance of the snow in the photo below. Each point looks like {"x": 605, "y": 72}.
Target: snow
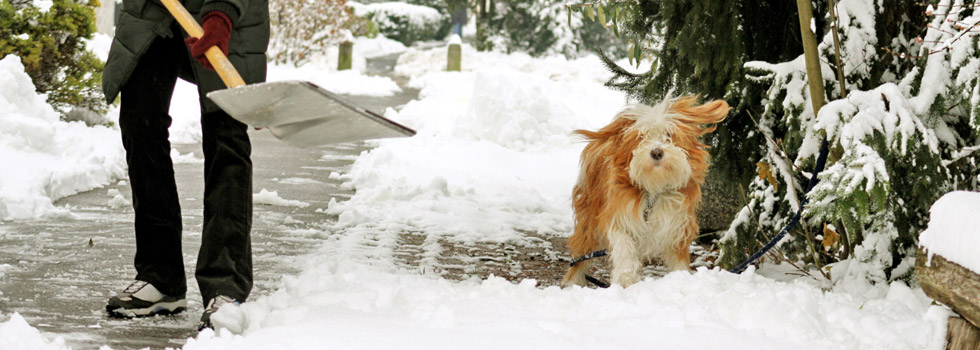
{"x": 337, "y": 307}
{"x": 954, "y": 229}
{"x": 272, "y": 198}
{"x": 99, "y": 45}
{"x": 16, "y": 333}
{"x": 43, "y": 5}
{"x": 455, "y": 40}
{"x": 493, "y": 158}
{"x": 348, "y": 82}
{"x": 494, "y": 154}
{"x": 52, "y": 158}
{"x": 377, "y": 46}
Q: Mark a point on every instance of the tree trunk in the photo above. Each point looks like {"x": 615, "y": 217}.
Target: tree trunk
{"x": 951, "y": 284}
{"x": 961, "y": 335}
{"x": 814, "y": 76}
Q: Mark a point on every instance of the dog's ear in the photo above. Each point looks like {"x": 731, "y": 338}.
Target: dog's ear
{"x": 611, "y": 130}
{"x": 696, "y": 115}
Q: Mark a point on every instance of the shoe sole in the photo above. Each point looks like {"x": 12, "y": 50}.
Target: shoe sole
{"x": 163, "y": 308}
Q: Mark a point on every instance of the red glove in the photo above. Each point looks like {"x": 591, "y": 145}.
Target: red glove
{"x": 217, "y": 32}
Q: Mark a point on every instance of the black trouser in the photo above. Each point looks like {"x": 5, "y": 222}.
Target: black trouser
{"x": 224, "y": 263}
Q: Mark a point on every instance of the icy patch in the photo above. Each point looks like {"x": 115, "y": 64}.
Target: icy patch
{"x": 954, "y": 229}
{"x": 272, "y": 198}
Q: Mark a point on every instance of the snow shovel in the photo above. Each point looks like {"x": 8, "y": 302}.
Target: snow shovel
{"x": 298, "y": 112}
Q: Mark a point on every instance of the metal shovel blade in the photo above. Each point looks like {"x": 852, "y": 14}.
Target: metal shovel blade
{"x": 304, "y": 114}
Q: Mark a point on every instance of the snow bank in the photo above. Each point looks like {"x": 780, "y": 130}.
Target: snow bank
{"x": 335, "y": 306}
{"x": 376, "y": 47}
{"x": 16, "y": 334}
{"x": 349, "y": 82}
{"x": 494, "y": 154}
{"x": 47, "y": 158}
{"x": 954, "y": 229}
{"x": 416, "y": 62}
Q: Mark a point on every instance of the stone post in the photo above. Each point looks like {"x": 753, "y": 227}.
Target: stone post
{"x": 455, "y": 56}
{"x": 346, "y": 56}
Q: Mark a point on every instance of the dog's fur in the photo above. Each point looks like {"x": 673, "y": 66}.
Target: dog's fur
{"x": 639, "y": 186}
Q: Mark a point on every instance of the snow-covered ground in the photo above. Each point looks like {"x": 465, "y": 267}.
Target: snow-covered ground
{"x": 493, "y": 158}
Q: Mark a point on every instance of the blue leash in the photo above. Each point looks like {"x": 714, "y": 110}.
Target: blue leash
{"x": 821, "y": 162}
{"x": 795, "y": 220}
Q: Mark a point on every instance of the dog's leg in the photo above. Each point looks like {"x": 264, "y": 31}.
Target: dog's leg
{"x": 678, "y": 258}
{"x": 626, "y": 264}
{"x": 576, "y": 274}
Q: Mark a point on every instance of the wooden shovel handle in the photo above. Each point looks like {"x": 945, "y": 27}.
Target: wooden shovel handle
{"x": 218, "y": 60}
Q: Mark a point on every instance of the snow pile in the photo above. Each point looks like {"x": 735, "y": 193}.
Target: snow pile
{"x": 376, "y": 47}
{"x": 350, "y": 82}
{"x": 954, "y": 229}
{"x": 416, "y": 62}
{"x": 334, "y": 306}
{"x": 47, "y": 158}
{"x": 16, "y": 334}
{"x": 494, "y": 154}
{"x": 272, "y": 198}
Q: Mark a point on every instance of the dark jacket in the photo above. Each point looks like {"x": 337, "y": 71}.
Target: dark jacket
{"x": 143, "y": 20}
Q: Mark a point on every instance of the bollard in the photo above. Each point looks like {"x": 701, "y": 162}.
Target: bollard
{"x": 345, "y": 59}
{"x": 455, "y": 56}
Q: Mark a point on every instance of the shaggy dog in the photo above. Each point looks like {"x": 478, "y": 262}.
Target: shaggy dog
{"x": 639, "y": 186}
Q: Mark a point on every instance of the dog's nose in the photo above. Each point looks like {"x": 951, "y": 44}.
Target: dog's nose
{"x": 657, "y": 153}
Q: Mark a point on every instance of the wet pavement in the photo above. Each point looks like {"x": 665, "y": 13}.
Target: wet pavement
{"x": 62, "y": 270}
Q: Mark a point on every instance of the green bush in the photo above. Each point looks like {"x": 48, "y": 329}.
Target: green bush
{"x": 50, "y": 44}
{"x": 407, "y": 23}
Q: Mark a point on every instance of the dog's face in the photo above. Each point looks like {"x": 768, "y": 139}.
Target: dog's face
{"x": 657, "y": 162}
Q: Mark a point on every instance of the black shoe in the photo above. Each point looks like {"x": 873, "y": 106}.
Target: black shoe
{"x": 143, "y": 299}
{"x": 213, "y": 307}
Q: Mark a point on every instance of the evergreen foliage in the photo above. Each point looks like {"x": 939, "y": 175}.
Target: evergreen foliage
{"x": 539, "y": 28}
{"x": 50, "y": 43}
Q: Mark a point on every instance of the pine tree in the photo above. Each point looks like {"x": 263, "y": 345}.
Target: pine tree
{"x": 50, "y": 43}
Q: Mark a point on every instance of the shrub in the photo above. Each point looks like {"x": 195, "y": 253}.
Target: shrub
{"x": 406, "y": 23}
{"x": 304, "y": 27}
{"x": 50, "y": 43}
